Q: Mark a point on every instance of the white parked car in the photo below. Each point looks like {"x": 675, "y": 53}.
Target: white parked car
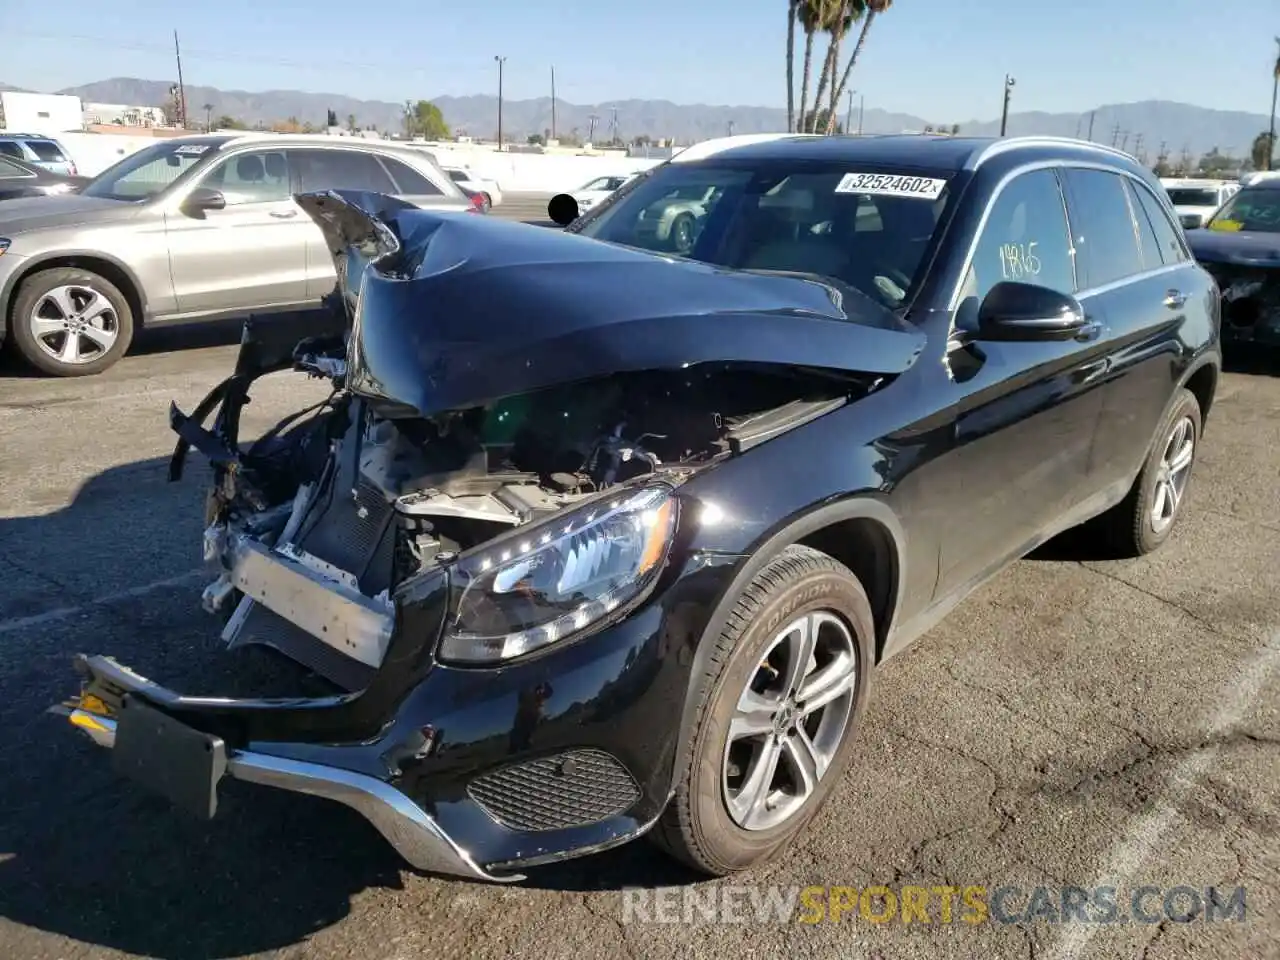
{"x": 1195, "y": 201}
{"x": 594, "y": 192}
{"x": 467, "y": 179}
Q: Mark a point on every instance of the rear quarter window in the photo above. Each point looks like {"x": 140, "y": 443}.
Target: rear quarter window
{"x": 47, "y": 151}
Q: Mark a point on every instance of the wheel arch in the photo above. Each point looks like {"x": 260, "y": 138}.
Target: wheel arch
{"x": 108, "y": 267}
{"x": 1202, "y": 381}
{"x": 862, "y": 533}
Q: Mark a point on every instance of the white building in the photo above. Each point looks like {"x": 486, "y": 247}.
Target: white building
{"x": 123, "y": 114}
{"x": 47, "y": 113}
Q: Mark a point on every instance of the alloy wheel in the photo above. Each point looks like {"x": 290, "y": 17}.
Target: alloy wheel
{"x": 790, "y": 720}
{"x": 74, "y": 324}
{"x": 1173, "y": 474}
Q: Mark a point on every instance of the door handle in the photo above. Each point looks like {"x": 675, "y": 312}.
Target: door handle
{"x": 1173, "y": 299}
{"x": 1089, "y": 331}
{"x": 284, "y": 214}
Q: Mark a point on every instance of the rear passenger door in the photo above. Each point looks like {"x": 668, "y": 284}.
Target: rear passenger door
{"x": 1139, "y": 278}
{"x": 333, "y": 168}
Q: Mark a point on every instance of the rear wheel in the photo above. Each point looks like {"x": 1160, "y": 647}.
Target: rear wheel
{"x": 682, "y": 234}
{"x": 70, "y": 322}
{"x": 1146, "y": 517}
{"x": 782, "y": 698}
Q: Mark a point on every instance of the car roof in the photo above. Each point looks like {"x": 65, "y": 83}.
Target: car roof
{"x": 909, "y": 150}
{"x": 12, "y": 135}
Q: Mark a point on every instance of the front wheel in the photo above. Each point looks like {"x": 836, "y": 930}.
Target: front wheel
{"x": 782, "y": 699}
{"x": 70, "y": 322}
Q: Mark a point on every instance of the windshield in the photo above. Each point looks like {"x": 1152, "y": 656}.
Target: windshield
{"x": 1253, "y": 208}
{"x": 143, "y": 175}
{"x": 1193, "y": 197}
{"x": 791, "y": 217}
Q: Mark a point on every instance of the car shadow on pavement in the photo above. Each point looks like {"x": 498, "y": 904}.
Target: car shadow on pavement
{"x": 87, "y": 856}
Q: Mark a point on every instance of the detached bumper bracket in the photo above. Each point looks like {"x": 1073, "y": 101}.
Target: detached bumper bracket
{"x": 178, "y": 762}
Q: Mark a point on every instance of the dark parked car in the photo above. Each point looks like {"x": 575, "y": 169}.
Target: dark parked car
{"x": 1240, "y": 247}
{"x": 594, "y": 542}
{"x": 21, "y": 179}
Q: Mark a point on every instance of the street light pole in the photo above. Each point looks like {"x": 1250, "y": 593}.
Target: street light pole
{"x": 499, "y": 61}
{"x": 1275, "y": 87}
{"x": 862, "y": 104}
{"x": 1004, "y": 114}
{"x": 848, "y": 114}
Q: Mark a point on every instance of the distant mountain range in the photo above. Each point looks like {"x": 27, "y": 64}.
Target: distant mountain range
{"x": 1177, "y": 126}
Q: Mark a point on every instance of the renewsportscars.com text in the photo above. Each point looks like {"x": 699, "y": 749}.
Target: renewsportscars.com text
{"x": 911, "y": 904}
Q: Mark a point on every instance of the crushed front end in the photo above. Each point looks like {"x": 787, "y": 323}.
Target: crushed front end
{"x": 480, "y": 544}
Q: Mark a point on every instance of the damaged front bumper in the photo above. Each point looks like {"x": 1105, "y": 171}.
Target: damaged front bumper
{"x": 187, "y": 765}
{"x": 1250, "y": 303}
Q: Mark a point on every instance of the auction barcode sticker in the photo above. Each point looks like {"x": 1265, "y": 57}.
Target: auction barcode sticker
{"x": 891, "y": 185}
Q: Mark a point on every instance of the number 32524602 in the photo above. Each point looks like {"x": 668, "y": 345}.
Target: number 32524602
{"x": 1018, "y": 261}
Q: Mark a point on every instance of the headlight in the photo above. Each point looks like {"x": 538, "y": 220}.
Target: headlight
{"x": 559, "y": 577}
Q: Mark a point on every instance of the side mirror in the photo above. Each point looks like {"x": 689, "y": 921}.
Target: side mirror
{"x": 204, "y": 198}
{"x": 1025, "y": 311}
{"x": 563, "y": 209}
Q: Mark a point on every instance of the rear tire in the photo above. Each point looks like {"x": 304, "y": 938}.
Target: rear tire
{"x": 67, "y": 305}
{"x": 711, "y": 823}
{"x": 1143, "y": 521}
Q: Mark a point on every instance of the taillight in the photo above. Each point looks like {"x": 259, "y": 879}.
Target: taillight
{"x": 477, "y": 203}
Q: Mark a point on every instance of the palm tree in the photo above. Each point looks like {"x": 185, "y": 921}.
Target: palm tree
{"x": 852, "y": 11}
{"x": 793, "y": 7}
{"x": 810, "y": 13}
{"x": 837, "y": 17}
{"x": 873, "y": 8}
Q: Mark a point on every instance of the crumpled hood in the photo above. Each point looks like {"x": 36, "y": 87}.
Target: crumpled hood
{"x": 1248, "y": 248}
{"x": 61, "y": 210}
{"x": 455, "y": 310}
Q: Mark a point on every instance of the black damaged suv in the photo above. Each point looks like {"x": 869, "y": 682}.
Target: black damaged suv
{"x": 594, "y": 540}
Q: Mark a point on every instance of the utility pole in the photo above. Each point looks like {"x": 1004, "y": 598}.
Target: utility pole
{"x": 729, "y": 128}
{"x": 553, "y": 102}
{"x": 862, "y": 103}
{"x": 1124, "y": 141}
{"x": 1004, "y": 113}
{"x": 1079, "y": 120}
{"x": 1115, "y": 135}
{"x": 848, "y": 114}
{"x": 614, "y": 111}
{"x": 591, "y": 131}
{"x": 1137, "y": 146}
{"x": 1092, "y": 113}
{"x": 1275, "y": 86}
{"x": 182, "y": 90}
{"x": 499, "y": 61}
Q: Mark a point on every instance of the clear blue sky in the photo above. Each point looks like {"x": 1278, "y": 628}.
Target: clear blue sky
{"x": 935, "y": 58}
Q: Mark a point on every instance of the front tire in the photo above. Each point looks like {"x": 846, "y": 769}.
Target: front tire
{"x": 1143, "y": 521}
{"x": 782, "y": 698}
{"x": 69, "y": 322}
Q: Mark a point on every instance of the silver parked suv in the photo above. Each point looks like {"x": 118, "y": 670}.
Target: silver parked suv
{"x": 193, "y": 228}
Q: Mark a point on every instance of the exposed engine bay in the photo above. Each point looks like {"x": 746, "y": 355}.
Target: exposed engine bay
{"x": 315, "y": 525}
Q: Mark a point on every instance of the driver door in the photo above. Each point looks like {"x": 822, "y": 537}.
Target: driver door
{"x": 252, "y": 255}
{"x": 1026, "y": 413}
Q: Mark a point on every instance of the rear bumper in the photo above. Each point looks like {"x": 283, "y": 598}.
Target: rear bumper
{"x": 407, "y": 827}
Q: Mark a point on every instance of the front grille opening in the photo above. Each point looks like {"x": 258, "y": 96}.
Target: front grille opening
{"x": 571, "y": 789}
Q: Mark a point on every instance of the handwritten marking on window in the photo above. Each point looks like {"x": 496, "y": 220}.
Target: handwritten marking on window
{"x": 1018, "y": 261}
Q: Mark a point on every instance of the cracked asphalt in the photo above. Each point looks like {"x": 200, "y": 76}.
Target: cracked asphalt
{"x": 1075, "y": 723}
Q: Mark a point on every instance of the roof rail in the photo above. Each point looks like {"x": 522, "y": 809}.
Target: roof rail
{"x": 1005, "y": 144}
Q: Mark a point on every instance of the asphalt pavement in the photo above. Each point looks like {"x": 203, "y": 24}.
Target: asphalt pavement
{"x": 1074, "y": 724}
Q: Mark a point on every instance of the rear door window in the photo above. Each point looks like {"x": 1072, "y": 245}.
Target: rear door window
{"x": 47, "y": 151}
{"x": 1168, "y": 234}
{"x": 1103, "y": 230}
{"x": 1148, "y": 242}
{"x": 341, "y": 170}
